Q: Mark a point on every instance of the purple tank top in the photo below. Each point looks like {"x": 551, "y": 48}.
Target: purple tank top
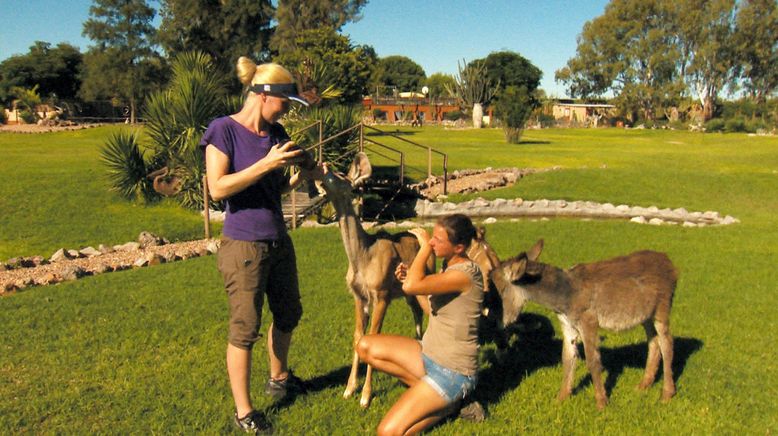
{"x": 255, "y": 213}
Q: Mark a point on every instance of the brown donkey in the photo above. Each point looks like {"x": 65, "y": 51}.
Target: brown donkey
{"x": 372, "y": 260}
{"x": 615, "y": 294}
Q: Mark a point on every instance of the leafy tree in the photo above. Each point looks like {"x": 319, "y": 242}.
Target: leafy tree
{"x": 508, "y": 68}
{"x": 225, "y": 30}
{"x": 756, "y": 36}
{"x": 348, "y": 68}
{"x": 630, "y": 51}
{"x": 26, "y": 102}
{"x": 401, "y": 73}
{"x": 54, "y": 70}
{"x": 705, "y": 30}
{"x": 296, "y": 16}
{"x": 439, "y": 83}
{"x": 122, "y": 65}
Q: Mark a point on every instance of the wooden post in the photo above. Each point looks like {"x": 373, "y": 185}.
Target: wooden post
{"x": 361, "y": 137}
{"x": 294, "y": 203}
{"x": 429, "y": 162}
{"x": 206, "y": 209}
{"x": 445, "y": 174}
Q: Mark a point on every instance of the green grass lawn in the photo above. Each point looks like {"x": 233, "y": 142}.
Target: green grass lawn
{"x": 142, "y": 351}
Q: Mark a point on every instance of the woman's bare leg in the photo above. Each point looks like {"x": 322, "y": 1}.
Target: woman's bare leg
{"x": 397, "y": 356}
{"x": 418, "y": 408}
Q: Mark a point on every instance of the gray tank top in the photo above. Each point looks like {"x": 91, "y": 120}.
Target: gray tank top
{"x": 451, "y": 338}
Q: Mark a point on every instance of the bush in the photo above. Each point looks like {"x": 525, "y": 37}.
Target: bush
{"x": 28, "y": 116}
{"x": 714, "y": 125}
{"x": 513, "y": 107}
{"x": 546, "y": 120}
{"x": 677, "y": 125}
{"x": 453, "y": 116}
{"x": 735, "y": 125}
{"x": 3, "y": 119}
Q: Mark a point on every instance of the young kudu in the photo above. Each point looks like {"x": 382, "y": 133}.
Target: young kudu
{"x": 372, "y": 260}
{"x": 615, "y": 294}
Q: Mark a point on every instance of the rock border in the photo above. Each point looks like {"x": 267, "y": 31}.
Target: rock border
{"x": 68, "y": 264}
{"x": 575, "y": 209}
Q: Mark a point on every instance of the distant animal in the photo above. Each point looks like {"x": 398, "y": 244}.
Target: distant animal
{"x": 615, "y": 294}
{"x": 372, "y": 259}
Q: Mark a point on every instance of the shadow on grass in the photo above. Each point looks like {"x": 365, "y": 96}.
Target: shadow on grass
{"x": 614, "y": 360}
{"x": 390, "y": 131}
{"x": 533, "y": 142}
{"x": 533, "y": 348}
{"x": 333, "y": 378}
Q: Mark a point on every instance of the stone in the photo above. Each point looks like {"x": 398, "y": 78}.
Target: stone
{"x": 47, "y": 279}
{"x": 490, "y": 220}
{"x": 638, "y": 219}
{"x": 729, "y": 220}
{"x": 23, "y": 283}
{"x": 212, "y": 246}
{"x": 688, "y": 224}
{"x": 154, "y": 259}
{"x": 90, "y": 252}
{"x": 100, "y": 269}
{"x": 140, "y": 262}
{"x": 130, "y": 246}
{"x": 74, "y": 254}
{"x": 71, "y": 272}
{"x": 59, "y": 255}
{"x": 105, "y": 249}
{"x": 148, "y": 239}
{"x": 656, "y": 221}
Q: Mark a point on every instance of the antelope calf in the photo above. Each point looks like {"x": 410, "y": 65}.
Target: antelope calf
{"x": 372, "y": 259}
{"x": 615, "y": 294}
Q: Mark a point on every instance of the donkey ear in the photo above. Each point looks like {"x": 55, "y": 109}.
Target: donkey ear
{"x": 516, "y": 269}
{"x": 534, "y": 252}
{"x": 360, "y": 169}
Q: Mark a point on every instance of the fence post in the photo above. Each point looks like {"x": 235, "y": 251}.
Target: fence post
{"x": 294, "y": 202}
{"x": 321, "y": 138}
{"x": 206, "y": 209}
{"x": 429, "y": 162}
{"x": 445, "y": 174}
{"x": 361, "y": 137}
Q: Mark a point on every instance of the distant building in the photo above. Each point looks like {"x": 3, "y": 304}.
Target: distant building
{"x": 411, "y": 107}
{"x": 583, "y": 113}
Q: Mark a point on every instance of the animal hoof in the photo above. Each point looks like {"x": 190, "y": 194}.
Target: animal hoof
{"x": 643, "y": 386}
{"x": 348, "y": 393}
{"x": 601, "y": 403}
{"x": 364, "y": 402}
{"x": 667, "y": 395}
{"x": 562, "y": 396}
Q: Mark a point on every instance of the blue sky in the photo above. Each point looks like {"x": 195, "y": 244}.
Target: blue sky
{"x": 436, "y": 34}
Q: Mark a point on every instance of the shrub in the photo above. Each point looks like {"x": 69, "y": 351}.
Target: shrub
{"x": 28, "y": 116}
{"x": 513, "y": 107}
{"x": 735, "y": 125}
{"x": 714, "y": 125}
{"x": 546, "y": 120}
{"x": 3, "y": 119}
{"x": 453, "y": 115}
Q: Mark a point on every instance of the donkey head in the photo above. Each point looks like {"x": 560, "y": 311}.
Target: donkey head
{"x": 340, "y": 188}
{"x": 505, "y": 279}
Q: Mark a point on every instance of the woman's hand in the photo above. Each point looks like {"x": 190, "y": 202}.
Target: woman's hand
{"x": 401, "y": 272}
{"x": 283, "y": 155}
{"x": 421, "y": 235}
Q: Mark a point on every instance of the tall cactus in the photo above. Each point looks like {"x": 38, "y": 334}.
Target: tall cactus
{"x": 472, "y": 87}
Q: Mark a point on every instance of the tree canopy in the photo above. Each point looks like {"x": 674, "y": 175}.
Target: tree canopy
{"x": 400, "y": 73}
{"x": 54, "y": 70}
{"x": 346, "y": 67}
{"x": 223, "y": 30}
{"x": 122, "y": 65}
{"x": 296, "y": 16}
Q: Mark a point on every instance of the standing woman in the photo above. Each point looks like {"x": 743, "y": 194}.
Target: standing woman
{"x": 245, "y": 155}
{"x": 441, "y": 369}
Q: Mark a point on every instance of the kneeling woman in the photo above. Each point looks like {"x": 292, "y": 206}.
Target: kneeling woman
{"x": 441, "y": 370}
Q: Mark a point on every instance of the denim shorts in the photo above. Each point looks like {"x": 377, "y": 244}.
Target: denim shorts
{"x": 451, "y": 385}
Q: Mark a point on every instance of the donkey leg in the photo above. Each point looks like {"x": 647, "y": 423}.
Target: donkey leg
{"x": 360, "y": 321}
{"x": 593, "y": 363}
{"x": 652, "y": 362}
{"x": 376, "y": 322}
{"x": 569, "y": 357}
{"x": 666, "y": 346}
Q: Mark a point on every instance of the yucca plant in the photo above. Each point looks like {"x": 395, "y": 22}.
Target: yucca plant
{"x": 176, "y": 118}
{"x": 127, "y": 169}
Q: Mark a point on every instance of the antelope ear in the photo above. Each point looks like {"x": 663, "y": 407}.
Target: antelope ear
{"x": 360, "y": 169}
{"x": 534, "y": 252}
{"x": 534, "y": 269}
{"x": 516, "y": 269}
{"x": 480, "y": 233}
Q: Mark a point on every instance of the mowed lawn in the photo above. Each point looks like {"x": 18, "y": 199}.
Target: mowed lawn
{"x": 142, "y": 351}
